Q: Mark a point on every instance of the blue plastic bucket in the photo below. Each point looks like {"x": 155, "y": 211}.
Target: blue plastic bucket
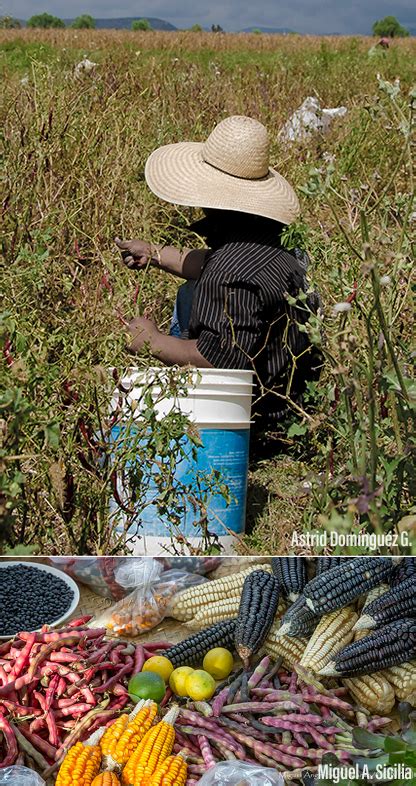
{"x": 219, "y": 403}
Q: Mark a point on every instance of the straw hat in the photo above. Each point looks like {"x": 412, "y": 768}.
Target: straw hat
{"x": 230, "y": 171}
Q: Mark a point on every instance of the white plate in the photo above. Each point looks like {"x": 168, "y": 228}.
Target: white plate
{"x": 67, "y": 579}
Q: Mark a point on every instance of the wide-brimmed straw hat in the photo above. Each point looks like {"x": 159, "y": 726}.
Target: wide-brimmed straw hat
{"x": 229, "y": 171}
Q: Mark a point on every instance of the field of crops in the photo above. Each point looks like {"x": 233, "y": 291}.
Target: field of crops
{"x": 74, "y": 151}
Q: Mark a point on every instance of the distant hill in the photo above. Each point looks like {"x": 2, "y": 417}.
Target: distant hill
{"x": 124, "y": 23}
{"x": 276, "y": 30}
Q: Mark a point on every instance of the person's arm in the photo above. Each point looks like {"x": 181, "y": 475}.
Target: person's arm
{"x": 186, "y": 264}
{"x": 169, "y": 349}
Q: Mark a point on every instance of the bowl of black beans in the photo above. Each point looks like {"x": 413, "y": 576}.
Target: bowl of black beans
{"x": 32, "y": 595}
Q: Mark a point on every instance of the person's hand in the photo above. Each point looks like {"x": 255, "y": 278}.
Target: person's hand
{"x": 135, "y": 253}
{"x": 141, "y": 331}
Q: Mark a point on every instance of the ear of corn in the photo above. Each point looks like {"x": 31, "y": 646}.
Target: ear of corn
{"x": 80, "y": 765}
{"x": 155, "y": 747}
{"x": 82, "y": 762}
{"x": 341, "y": 585}
{"x": 258, "y": 606}
{"x": 402, "y": 571}
{"x": 121, "y": 739}
{"x": 332, "y": 633}
{"x": 403, "y": 681}
{"x": 391, "y": 645}
{"x": 106, "y": 779}
{"x": 373, "y": 692}
{"x": 215, "y": 612}
{"x": 291, "y": 574}
{"x": 327, "y": 563}
{"x": 290, "y": 649}
{"x": 376, "y": 592}
{"x": 399, "y": 601}
{"x": 187, "y": 603}
{"x": 298, "y": 620}
{"x": 194, "y": 648}
{"x": 172, "y": 772}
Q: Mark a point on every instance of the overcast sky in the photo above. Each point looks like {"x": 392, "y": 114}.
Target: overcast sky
{"x": 304, "y": 16}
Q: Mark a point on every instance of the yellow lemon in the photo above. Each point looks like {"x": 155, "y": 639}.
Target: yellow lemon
{"x": 177, "y": 680}
{"x": 218, "y": 662}
{"x": 158, "y": 664}
{"x": 200, "y": 686}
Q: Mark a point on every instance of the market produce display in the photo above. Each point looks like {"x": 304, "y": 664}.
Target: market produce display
{"x": 71, "y": 705}
{"x": 46, "y": 598}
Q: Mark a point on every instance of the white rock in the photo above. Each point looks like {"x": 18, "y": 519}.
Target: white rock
{"x": 308, "y": 119}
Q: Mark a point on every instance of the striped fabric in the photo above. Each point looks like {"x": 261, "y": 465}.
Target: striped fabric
{"x": 241, "y": 318}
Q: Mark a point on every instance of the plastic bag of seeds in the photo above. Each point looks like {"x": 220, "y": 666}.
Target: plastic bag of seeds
{"x": 20, "y": 776}
{"x": 98, "y": 573}
{"x": 146, "y": 606}
{"x": 236, "y": 773}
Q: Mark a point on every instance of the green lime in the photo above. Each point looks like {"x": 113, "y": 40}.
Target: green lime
{"x": 146, "y": 685}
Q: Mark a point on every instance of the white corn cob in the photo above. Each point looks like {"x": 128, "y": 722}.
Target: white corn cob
{"x": 403, "y": 681}
{"x": 289, "y": 648}
{"x": 225, "y": 609}
{"x": 333, "y": 632}
{"x": 186, "y": 604}
{"x": 374, "y": 593}
{"x": 373, "y": 692}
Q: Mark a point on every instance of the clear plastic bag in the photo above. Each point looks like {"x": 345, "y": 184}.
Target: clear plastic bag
{"x": 236, "y": 773}
{"x": 202, "y": 565}
{"x": 146, "y": 606}
{"x": 20, "y": 776}
{"x": 100, "y": 574}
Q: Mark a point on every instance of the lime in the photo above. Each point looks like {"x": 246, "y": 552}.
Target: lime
{"x": 160, "y": 665}
{"x": 177, "y": 680}
{"x": 146, "y": 685}
{"x": 218, "y": 662}
{"x": 200, "y": 686}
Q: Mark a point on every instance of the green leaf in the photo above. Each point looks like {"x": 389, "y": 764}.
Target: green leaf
{"x": 52, "y": 435}
{"x": 366, "y": 739}
{"x": 297, "y": 429}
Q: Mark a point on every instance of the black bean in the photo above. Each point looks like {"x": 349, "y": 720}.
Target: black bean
{"x": 30, "y": 597}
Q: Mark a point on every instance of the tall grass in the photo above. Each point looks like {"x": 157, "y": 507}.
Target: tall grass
{"x": 74, "y": 153}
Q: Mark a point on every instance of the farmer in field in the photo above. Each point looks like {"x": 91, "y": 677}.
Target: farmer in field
{"x": 233, "y": 311}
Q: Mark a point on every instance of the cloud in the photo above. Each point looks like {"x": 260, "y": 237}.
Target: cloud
{"x": 304, "y": 16}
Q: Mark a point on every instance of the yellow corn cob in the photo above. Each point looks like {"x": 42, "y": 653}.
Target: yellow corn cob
{"x": 152, "y": 751}
{"x": 403, "y": 681}
{"x": 186, "y": 604}
{"x": 106, "y": 779}
{"x": 289, "y": 648}
{"x": 172, "y": 772}
{"x": 373, "y": 692}
{"x": 333, "y": 632}
{"x": 359, "y": 633}
{"x": 121, "y": 739}
{"x": 82, "y": 762}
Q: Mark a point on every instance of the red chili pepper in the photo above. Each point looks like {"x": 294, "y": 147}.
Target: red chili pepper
{"x": 136, "y": 293}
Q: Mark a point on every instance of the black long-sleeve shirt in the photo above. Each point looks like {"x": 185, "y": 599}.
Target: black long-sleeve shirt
{"x": 241, "y": 317}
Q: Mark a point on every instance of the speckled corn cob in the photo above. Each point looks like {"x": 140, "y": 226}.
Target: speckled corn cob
{"x": 332, "y": 633}
{"x": 186, "y": 604}
{"x": 403, "y": 680}
{"x": 373, "y": 692}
